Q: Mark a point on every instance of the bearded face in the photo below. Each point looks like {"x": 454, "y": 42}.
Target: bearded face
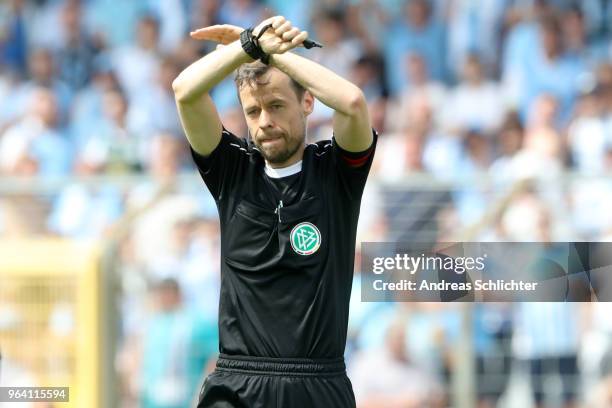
{"x": 278, "y": 147}
{"x": 276, "y": 118}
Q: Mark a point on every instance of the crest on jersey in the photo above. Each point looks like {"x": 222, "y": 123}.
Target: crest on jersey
{"x": 305, "y": 238}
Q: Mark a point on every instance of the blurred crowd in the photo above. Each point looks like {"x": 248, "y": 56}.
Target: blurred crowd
{"x": 472, "y": 96}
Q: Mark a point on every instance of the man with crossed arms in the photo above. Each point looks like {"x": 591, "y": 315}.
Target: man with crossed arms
{"x": 288, "y": 213}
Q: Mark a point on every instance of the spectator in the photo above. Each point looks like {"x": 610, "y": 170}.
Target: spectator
{"x": 153, "y": 109}
{"x": 13, "y": 36}
{"x": 552, "y": 71}
{"x": 201, "y": 279}
{"x": 475, "y": 103}
{"x": 474, "y": 29}
{"x": 113, "y": 22}
{"x": 590, "y": 218}
{"x": 36, "y": 145}
{"x": 547, "y": 339}
{"x": 88, "y": 102}
{"x": 388, "y": 378}
{"x": 242, "y": 13}
{"x": 7, "y": 83}
{"x": 111, "y": 145}
{"x": 492, "y": 344}
{"x": 589, "y": 136}
{"x": 471, "y": 200}
{"x": 418, "y": 32}
{"x": 175, "y": 350}
{"x": 159, "y": 203}
{"x": 172, "y": 18}
{"x": 441, "y": 152}
{"x": 421, "y": 87}
{"x": 369, "y": 19}
{"x": 42, "y": 15}
{"x": 410, "y": 215}
{"x": 400, "y": 154}
{"x": 203, "y": 13}
{"x": 295, "y": 11}
{"x": 339, "y": 54}
{"x": 137, "y": 65}
{"x": 509, "y": 142}
{"x": 340, "y": 51}
{"x": 597, "y": 15}
{"x": 76, "y": 55}
{"x": 526, "y": 219}
{"x": 367, "y": 74}
{"x": 574, "y": 31}
{"x": 518, "y": 46}
{"x": 541, "y": 153}
{"x": 431, "y": 335}
{"x": 542, "y": 136}
{"x": 43, "y": 74}
{"x": 82, "y": 211}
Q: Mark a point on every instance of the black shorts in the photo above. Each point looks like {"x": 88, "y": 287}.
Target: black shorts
{"x": 256, "y": 382}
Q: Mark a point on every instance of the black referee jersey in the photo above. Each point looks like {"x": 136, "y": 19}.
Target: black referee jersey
{"x": 287, "y": 256}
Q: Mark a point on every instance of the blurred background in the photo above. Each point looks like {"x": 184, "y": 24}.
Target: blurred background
{"x": 495, "y": 122}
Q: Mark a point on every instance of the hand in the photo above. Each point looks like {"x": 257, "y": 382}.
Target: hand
{"x": 221, "y": 33}
{"x": 281, "y": 37}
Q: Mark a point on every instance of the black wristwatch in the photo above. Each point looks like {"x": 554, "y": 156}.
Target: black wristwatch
{"x": 251, "y": 47}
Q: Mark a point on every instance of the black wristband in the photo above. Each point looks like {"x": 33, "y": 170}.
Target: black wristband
{"x": 250, "y": 45}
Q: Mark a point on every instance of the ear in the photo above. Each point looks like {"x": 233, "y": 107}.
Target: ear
{"x": 308, "y": 102}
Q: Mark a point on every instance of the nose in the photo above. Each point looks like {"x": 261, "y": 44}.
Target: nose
{"x": 265, "y": 120}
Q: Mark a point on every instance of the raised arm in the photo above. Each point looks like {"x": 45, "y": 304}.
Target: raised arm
{"x": 196, "y": 109}
{"x": 351, "y": 121}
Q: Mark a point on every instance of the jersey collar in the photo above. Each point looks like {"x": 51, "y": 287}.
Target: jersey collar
{"x": 284, "y": 171}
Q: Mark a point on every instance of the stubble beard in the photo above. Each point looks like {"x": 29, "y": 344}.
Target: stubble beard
{"x": 279, "y": 155}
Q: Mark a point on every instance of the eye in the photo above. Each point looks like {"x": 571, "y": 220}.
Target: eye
{"x": 252, "y": 112}
{"x": 277, "y": 106}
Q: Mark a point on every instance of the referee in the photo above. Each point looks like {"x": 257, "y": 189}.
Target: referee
{"x": 288, "y": 214}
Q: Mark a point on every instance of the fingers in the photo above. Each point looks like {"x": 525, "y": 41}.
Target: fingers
{"x": 291, "y": 34}
{"x": 298, "y": 39}
{"x": 215, "y": 29}
{"x": 201, "y": 36}
{"x": 199, "y": 33}
{"x": 283, "y": 36}
{"x": 223, "y": 33}
{"x": 207, "y": 33}
{"x": 283, "y": 28}
{"x": 208, "y": 37}
{"x": 288, "y": 33}
{"x": 277, "y": 21}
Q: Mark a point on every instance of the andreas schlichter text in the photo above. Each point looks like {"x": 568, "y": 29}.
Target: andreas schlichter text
{"x": 479, "y": 285}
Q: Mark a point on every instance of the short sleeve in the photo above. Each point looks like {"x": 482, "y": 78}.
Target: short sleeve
{"x": 223, "y": 168}
{"x": 353, "y": 167}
